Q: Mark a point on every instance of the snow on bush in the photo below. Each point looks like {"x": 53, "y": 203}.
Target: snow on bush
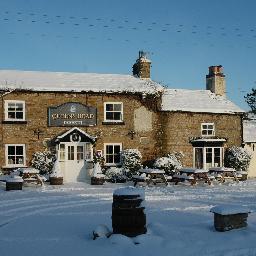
{"x": 114, "y": 174}
{"x": 169, "y": 163}
{"x": 131, "y": 160}
{"x": 43, "y": 161}
{"x": 237, "y": 158}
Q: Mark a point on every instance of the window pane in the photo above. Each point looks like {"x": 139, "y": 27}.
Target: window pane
{"x": 117, "y": 159}
{"x": 11, "y": 107}
{"x": 117, "y": 116}
{"x": 70, "y": 152}
{"x": 11, "y": 114}
{"x": 204, "y": 132}
{"x": 109, "y": 149}
{"x": 109, "y": 159}
{"x": 199, "y": 158}
{"x": 208, "y": 155}
{"x": 11, "y": 159}
{"x": 80, "y": 152}
{"x": 109, "y": 115}
{"x": 117, "y": 107}
{"x": 109, "y": 107}
{"x": 19, "y": 107}
{"x": 19, "y": 150}
{"x": 210, "y": 126}
{"x": 11, "y": 150}
{"x": 19, "y": 115}
{"x": 88, "y": 151}
{"x": 19, "y": 160}
{"x": 116, "y": 149}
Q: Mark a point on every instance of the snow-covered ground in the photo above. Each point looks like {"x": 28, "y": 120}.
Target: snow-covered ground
{"x": 59, "y": 220}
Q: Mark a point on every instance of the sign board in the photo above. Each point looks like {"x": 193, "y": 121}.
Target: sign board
{"x": 72, "y": 114}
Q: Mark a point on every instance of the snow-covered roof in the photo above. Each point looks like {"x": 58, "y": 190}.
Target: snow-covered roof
{"x": 249, "y": 130}
{"x": 77, "y": 82}
{"x": 202, "y": 101}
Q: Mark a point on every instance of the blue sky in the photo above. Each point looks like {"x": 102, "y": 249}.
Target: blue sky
{"x": 183, "y": 38}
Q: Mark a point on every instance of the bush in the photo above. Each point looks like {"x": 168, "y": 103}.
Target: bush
{"x": 43, "y": 161}
{"x": 115, "y": 174}
{"x": 131, "y": 160}
{"x": 169, "y": 163}
{"x": 237, "y": 158}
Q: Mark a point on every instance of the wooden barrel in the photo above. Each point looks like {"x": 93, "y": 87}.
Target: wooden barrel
{"x": 128, "y": 217}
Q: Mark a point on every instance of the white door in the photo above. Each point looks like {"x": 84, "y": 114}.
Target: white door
{"x": 72, "y": 158}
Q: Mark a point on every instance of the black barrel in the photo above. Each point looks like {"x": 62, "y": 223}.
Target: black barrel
{"x": 128, "y": 217}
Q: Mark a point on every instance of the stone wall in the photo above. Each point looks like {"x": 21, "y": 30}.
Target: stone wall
{"x": 154, "y": 133}
{"x": 36, "y": 116}
{"x": 178, "y": 127}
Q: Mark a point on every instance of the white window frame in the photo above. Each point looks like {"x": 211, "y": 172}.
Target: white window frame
{"x": 204, "y": 156}
{"x": 6, "y": 155}
{"x": 105, "y": 110}
{"x": 207, "y": 129}
{"x": 105, "y": 151}
{"x": 6, "y": 104}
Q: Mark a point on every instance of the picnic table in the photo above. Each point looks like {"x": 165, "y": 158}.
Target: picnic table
{"x": 193, "y": 175}
{"x": 150, "y": 176}
{"x": 31, "y": 175}
{"x": 223, "y": 173}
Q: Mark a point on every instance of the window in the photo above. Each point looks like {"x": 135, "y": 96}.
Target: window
{"x": 207, "y": 129}
{"x": 113, "y": 111}
{"x": 14, "y": 110}
{"x": 15, "y": 155}
{"x": 71, "y": 153}
{"x": 206, "y": 157}
{"x": 88, "y": 151}
{"x": 62, "y": 152}
{"x": 112, "y": 153}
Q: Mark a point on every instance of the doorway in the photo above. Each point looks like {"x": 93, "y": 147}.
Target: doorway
{"x": 73, "y": 158}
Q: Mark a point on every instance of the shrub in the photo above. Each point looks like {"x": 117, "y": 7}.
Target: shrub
{"x": 237, "y": 158}
{"x": 115, "y": 174}
{"x": 43, "y": 161}
{"x": 131, "y": 160}
{"x": 169, "y": 163}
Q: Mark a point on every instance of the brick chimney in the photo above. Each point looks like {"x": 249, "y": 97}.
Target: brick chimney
{"x": 141, "y": 68}
{"x": 215, "y": 80}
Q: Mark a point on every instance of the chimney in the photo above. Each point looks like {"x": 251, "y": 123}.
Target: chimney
{"x": 141, "y": 68}
{"x": 215, "y": 80}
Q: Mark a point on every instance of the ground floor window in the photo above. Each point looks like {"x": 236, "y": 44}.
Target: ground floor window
{"x": 206, "y": 157}
{"x": 15, "y": 155}
{"x": 112, "y": 153}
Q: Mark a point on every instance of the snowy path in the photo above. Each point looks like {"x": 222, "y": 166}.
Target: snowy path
{"x": 59, "y": 221}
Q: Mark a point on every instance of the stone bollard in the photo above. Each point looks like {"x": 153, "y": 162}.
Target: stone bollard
{"x": 228, "y": 217}
{"x": 128, "y": 217}
{"x": 14, "y": 183}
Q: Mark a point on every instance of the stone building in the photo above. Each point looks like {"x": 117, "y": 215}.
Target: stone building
{"x": 78, "y": 114}
{"x": 249, "y": 131}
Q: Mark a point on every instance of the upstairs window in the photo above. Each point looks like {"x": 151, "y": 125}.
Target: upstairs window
{"x": 14, "y": 110}
{"x": 207, "y": 129}
{"x": 113, "y": 111}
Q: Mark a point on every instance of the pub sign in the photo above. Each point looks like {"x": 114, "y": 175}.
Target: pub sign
{"x": 72, "y": 114}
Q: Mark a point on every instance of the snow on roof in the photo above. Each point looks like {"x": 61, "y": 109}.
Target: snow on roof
{"x": 249, "y": 130}
{"x": 197, "y": 101}
{"x": 77, "y": 82}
